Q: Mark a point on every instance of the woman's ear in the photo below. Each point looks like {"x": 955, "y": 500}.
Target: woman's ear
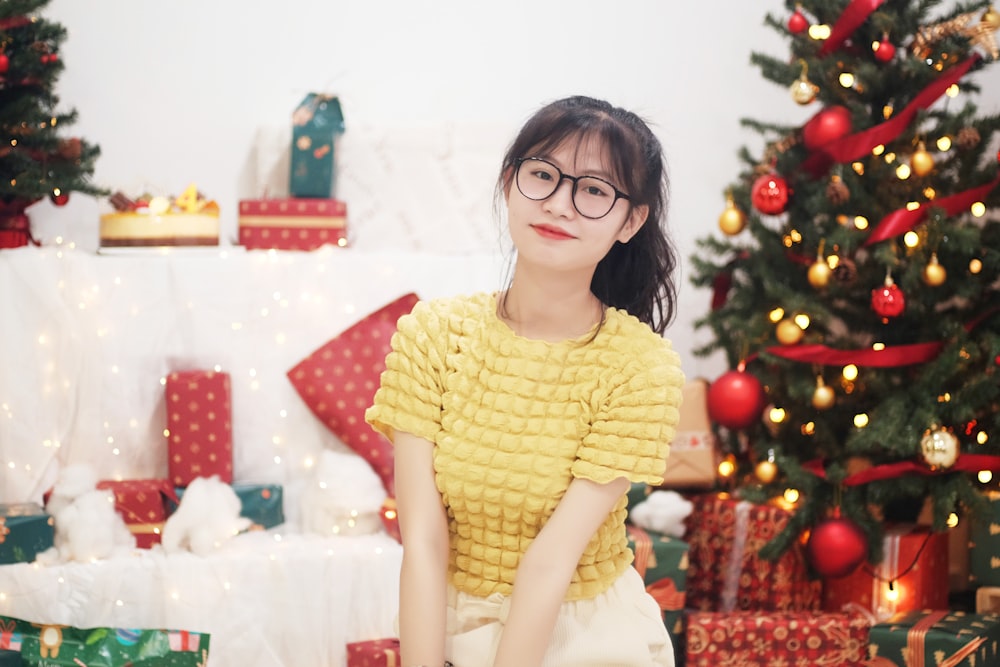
{"x": 633, "y": 223}
{"x": 508, "y": 180}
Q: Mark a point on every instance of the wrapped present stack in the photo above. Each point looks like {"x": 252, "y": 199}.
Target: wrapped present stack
{"x": 25, "y": 531}
{"x": 310, "y": 216}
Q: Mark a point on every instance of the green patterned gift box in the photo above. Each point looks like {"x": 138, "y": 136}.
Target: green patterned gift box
{"x": 44, "y": 645}
{"x": 984, "y": 545}
{"x": 316, "y": 124}
{"x": 663, "y": 563}
{"x": 934, "y": 639}
{"x": 25, "y": 531}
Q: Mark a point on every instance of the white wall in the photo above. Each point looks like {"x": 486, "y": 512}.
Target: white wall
{"x": 202, "y": 90}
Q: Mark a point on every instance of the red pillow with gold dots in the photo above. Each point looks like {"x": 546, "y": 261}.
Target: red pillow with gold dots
{"x": 338, "y": 382}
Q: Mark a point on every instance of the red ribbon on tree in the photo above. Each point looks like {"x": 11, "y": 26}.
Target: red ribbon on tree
{"x": 903, "y": 220}
{"x": 964, "y": 463}
{"x": 853, "y": 16}
{"x": 14, "y": 22}
{"x": 854, "y": 146}
{"x": 887, "y": 357}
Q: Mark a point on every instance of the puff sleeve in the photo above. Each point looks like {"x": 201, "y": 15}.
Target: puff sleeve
{"x": 410, "y": 388}
{"x": 632, "y": 429}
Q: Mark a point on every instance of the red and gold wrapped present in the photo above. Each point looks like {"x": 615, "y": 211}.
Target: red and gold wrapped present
{"x": 725, "y": 536}
{"x": 143, "y": 504}
{"x": 935, "y": 639}
{"x": 292, "y": 224}
{"x": 913, "y": 575}
{"x": 753, "y": 639}
{"x": 373, "y": 653}
{"x": 200, "y": 426}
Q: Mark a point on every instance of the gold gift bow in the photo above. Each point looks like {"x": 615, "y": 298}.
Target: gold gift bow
{"x": 918, "y": 633}
{"x": 643, "y": 548}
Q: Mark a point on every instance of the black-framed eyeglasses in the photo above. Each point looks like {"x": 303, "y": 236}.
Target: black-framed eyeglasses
{"x": 593, "y": 197}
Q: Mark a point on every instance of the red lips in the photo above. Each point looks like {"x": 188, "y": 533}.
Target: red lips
{"x": 550, "y": 232}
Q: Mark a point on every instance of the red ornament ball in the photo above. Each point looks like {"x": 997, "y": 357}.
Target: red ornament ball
{"x": 60, "y": 199}
{"x": 827, "y": 125}
{"x": 836, "y": 547}
{"x": 885, "y": 51}
{"x": 4, "y": 63}
{"x": 797, "y": 23}
{"x": 888, "y": 300}
{"x": 735, "y": 400}
{"x": 769, "y": 194}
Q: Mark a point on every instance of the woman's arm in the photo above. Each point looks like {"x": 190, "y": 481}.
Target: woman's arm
{"x": 547, "y": 568}
{"x": 423, "y": 526}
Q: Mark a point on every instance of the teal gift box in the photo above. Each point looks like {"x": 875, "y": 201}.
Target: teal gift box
{"x": 663, "y": 563}
{"x": 25, "y": 531}
{"x": 263, "y": 504}
{"x": 42, "y": 644}
{"x": 984, "y": 544}
{"x": 316, "y": 124}
{"x": 931, "y": 638}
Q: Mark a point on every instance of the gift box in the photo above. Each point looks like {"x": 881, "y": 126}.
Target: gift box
{"x": 662, "y": 561}
{"x": 694, "y": 459}
{"x": 261, "y": 503}
{"x": 25, "y": 531}
{"x": 725, "y": 536}
{"x": 10, "y": 658}
{"x": 292, "y": 224}
{"x": 984, "y": 544}
{"x": 144, "y": 504}
{"x": 373, "y": 653}
{"x": 316, "y": 124}
{"x": 753, "y": 639}
{"x": 199, "y": 426}
{"x": 935, "y": 638}
{"x": 51, "y": 645}
{"x": 988, "y": 600}
{"x": 913, "y": 575}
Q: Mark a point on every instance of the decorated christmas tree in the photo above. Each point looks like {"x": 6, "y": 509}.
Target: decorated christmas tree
{"x": 856, "y": 281}
{"x": 37, "y": 158}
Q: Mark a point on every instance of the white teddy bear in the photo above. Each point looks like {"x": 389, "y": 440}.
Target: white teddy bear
{"x": 87, "y": 527}
{"x": 663, "y": 512}
{"x": 343, "y": 496}
{"x": 207, "y": 517}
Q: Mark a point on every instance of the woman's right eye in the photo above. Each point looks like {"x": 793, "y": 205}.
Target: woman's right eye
{"x": 542, "y": 175}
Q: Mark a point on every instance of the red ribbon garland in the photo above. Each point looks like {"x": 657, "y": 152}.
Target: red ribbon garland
{"x": 853, "y": 16}
{"x": 903, "y": 220}
{"x": 887, "y": 357}
{"x": 14, "y": 22}
{"x": 964, "y": 463}
{"x": 852, "y": 147}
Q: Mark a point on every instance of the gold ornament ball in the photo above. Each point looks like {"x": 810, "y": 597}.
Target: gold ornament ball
{"x": 992, "y": 19}
{"x": 803, "y": 91}
{"x": 824, "y": 397}
{"x": 939, "y": 448}
{"x": 819, "y": 274}
{"x": 732, "y": 221}
{"x": 788, "y": 332}
{"x": 921, "y": 162}
{"x": 766, "y": 471}
{"x": 934, "y": 274}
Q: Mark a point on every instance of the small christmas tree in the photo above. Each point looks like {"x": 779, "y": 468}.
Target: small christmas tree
{"x": 856, "y": 286}
{"x": 37, "y": 159}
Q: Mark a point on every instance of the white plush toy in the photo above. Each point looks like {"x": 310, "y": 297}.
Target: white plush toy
{"x": 343, "y": 496}
{"x": 87, "y": 527}
{"x": 663, "y": 512}
{"x": 207, "y": 517}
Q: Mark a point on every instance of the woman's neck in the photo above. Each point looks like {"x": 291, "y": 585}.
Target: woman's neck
{"x": 552, "y": 311}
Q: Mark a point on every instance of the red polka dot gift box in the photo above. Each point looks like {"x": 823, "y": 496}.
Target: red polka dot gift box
{"x": 292, "y": 224}
{"x": 144, "y": 505}
{"x": 338, "y": 382}
{"x": 199, "y": 426}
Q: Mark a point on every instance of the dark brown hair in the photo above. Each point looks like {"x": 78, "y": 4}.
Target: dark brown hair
{"x": 637, "y": 276}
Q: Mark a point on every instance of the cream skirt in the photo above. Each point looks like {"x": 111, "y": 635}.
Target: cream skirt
{"x": 622, "y": 627}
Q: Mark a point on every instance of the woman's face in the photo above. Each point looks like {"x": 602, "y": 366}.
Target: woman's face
{"x": 551, "y": 232}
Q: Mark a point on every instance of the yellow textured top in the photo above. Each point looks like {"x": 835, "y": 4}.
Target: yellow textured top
{"x": 514, "y": 421}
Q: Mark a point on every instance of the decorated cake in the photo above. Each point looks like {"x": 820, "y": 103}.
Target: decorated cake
{"x": 187, "y": 220}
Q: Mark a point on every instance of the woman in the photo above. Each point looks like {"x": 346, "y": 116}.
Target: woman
{"x": 520, "y": 418}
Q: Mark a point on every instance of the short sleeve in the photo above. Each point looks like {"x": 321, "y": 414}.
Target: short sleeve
{"x": 409, "y": 395}
{"x": 631, "y": 433}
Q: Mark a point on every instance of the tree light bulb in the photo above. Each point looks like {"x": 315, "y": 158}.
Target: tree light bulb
{"x": 985, "y": 477}
{"x": 891, "y": 594}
